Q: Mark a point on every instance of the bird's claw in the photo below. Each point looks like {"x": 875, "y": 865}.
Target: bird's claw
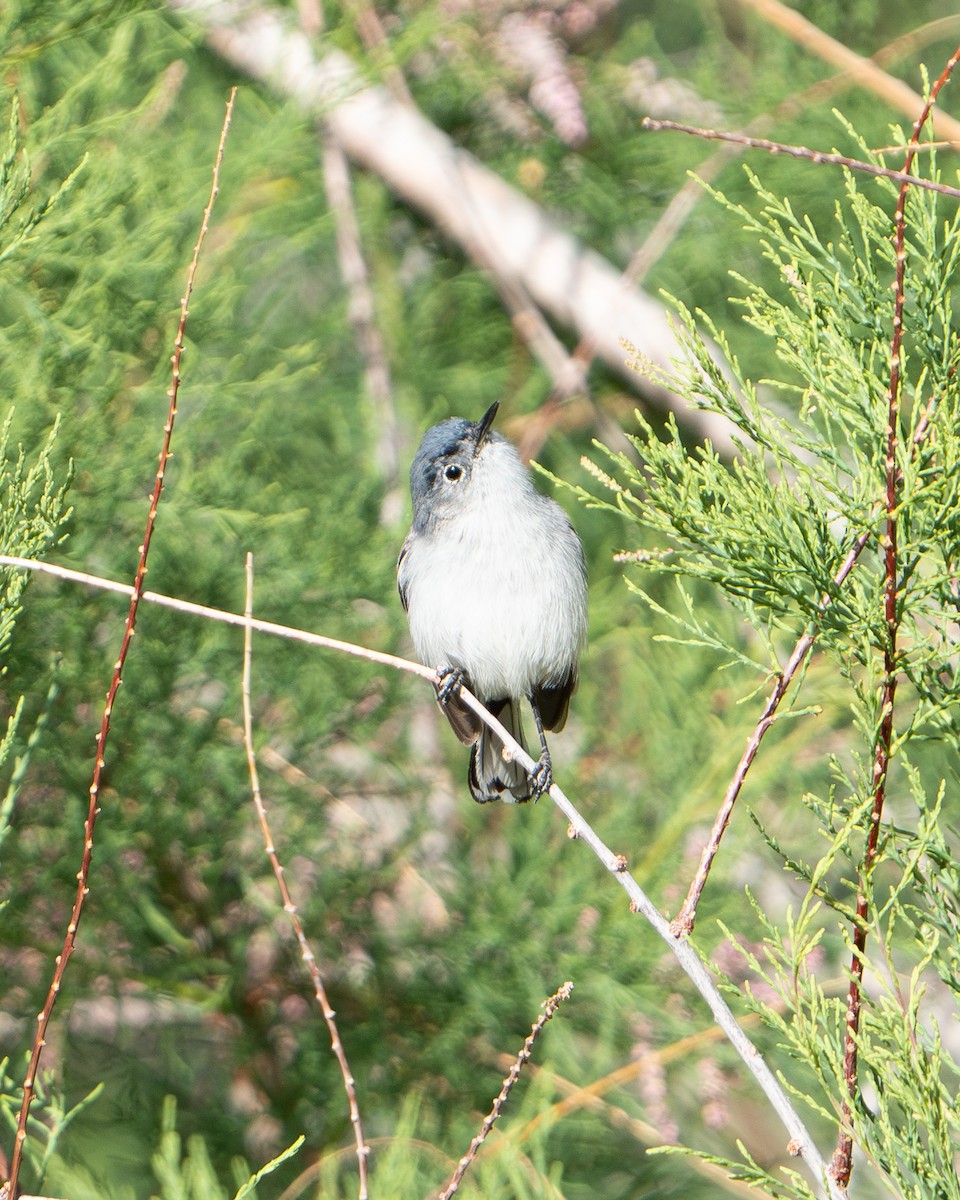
{"x": 541, "y": 778}
{"x": 449, "y": 682}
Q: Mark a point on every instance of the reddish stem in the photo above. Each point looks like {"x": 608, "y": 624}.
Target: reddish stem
{"x": 93, "y": 809}
{"x": 682, "y": 924}
{"x": 842, "y": 1161}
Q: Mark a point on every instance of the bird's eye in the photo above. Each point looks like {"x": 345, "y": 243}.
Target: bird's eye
{"x": 453, "y": 472}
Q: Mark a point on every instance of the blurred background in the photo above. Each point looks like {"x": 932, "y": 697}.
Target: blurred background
{"x": 439, "y": 926}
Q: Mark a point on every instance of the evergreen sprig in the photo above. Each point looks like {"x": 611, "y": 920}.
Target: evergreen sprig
{"x": 770, "y": 531}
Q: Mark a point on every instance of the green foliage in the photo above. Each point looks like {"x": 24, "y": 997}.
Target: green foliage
{"x": 50, "y": 1116}
{"x": 15, "y": 191}
{"x": 192, "y": 1176}
{"x": 772, "y": 532}
{"x": 32, "y": 514}
{"x": 33, "y": 511}
{"x": 181, "y": 1173}
{"x": 774, "y": 529}
{"x": 439, "y": 927}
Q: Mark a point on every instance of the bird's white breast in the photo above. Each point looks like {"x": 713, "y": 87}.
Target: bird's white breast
{"x": 498, "y": 589}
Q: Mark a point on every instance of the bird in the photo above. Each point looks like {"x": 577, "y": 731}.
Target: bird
{"x": 493, "y": 580}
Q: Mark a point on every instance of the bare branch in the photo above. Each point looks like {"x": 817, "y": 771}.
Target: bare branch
{"x": 375, "y": 39}
{"x": 217, "y": 614}
{"x": 866, "y": 73}
{"x": 814, "y": 156}
{"x": 507, "y": 233}
{"x": 136, "y": 593}
{"x": 306, "y": 954}
{"x": 549, "y": 1008}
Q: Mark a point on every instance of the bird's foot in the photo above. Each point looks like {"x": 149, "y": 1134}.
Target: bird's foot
{"x": 541, "y": 778}
{"x": 449, "y": 682}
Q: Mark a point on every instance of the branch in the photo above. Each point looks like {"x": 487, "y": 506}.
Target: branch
{"x": 866, "y": 73}
{"x": 800, "y": 1143}
{"x": 842, "y": 1161}
{"x": 568, "y": 375}
{"x": 361, "y": 311}
{"x": 549, "y": 1008}
{"x": 136, "y": 594}
{"x": 306, "y": 954}
{"x": 683, "y": 923}
{"x": 685, "y": 200}
{"x": 506, "y": 233}
{"x": 217, "y": 614}
{"x": 680, "y": 207}
{"x": 814, "y": 156}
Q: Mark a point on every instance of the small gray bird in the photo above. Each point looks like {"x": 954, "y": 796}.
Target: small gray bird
{"x": 493, "y": 580}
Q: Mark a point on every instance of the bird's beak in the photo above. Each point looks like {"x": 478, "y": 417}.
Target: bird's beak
{"x": 484, "y": 424}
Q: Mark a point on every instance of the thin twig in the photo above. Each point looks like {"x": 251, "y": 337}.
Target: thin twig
{"x": 842, "y": 1161}
{"x": 815, "y": 156}
{"x": 685, "y": 200}
{"x": 309, "y": 959}
{"x": 218, "y": 614}
{"x": 800, "y": 1141}
{"x": 683, "y": 923}
{"x": 361, "y": 310}
{"x": 374, "y": 38}
{"x": 549, "y": 1008}
{"x": 93, "y": 808}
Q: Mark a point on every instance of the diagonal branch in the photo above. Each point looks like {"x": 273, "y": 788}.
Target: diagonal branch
{"x": 801, "y": 1143}
{"x": 682, "y": 924}
{"x": 136, "y": 594}
{"x": 549, "y": 1008}
{"x": 217, "y": 614}
{"x": 868, "y": 74}
{"x": 544, "y": 274}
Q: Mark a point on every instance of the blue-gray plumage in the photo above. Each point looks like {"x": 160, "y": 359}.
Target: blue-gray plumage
{"x": 493, "y": 580}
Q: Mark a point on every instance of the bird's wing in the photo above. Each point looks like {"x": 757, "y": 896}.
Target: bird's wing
{"x": 463, "y": 721}
{"x": 553, "y": 701}
{"x": 401, "y": 575}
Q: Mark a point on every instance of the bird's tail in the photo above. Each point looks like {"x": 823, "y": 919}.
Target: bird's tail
{"x": 490, "y": 776}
